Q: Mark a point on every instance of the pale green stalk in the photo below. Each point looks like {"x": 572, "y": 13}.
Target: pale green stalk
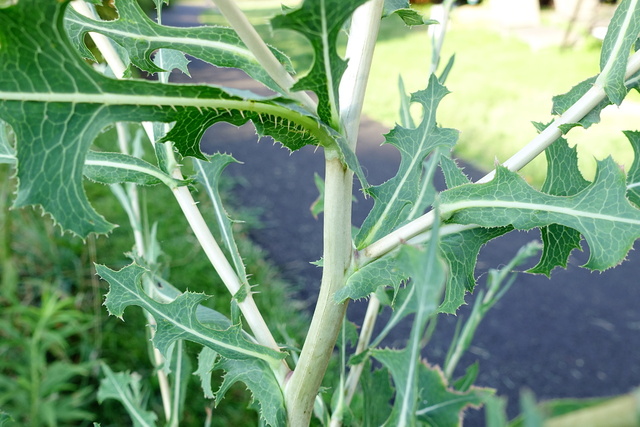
{"x": 261, "y": 51}
{"x": 574, "y": 114}
{"x": 301, "y": 390}
{"x": 129, "y": 199}
{"x": 254, "y": 318}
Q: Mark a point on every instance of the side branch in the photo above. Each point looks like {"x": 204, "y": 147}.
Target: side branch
{"x": 574, "y": 114}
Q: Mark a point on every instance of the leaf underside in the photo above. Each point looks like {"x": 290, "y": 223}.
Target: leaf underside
{"x": 56, "y": 105}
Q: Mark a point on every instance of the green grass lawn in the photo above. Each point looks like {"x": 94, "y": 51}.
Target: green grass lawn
{"x": 498, "y": 84}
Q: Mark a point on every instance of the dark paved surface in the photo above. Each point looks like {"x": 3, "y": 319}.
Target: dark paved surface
{"x": 576, "y": 335}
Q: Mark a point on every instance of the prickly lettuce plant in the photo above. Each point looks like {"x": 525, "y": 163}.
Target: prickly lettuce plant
{"x": 420, "y": 243}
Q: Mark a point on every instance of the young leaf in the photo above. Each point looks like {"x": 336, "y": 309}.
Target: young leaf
{"x": 393, "y": 198}
{"x": 56, "y": 113}
{"x": 320, "y": 21}
{"x": 177, "y": 320}
{"x": 125, "y": 388}
{"x": 262, "y": 383}
{"x": 439, "y": 404}
{"x": 208, "y": 174}
{"x": 381, "y": 272}
{"x": 563, "y": 179}
{"x": 600, "y": 212}
{"x": 403, "y": 9}
{"x": 141, "y": 36}
{"x": 633, "y": 177}
{"x": 460, "y": 250}
{"x": 562, "y": 103}
{"x": 622, "y": 33}
{"x": 206, "y": 362}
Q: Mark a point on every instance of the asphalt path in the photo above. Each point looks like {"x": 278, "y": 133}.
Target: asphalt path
{"x": 574, "y": 335}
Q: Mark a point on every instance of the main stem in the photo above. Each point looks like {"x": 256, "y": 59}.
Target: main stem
{"x": 301, "y": 390}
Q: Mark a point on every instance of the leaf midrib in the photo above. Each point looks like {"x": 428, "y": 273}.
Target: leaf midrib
{"x": 170, "y": 40}
{"x": 450, "y": 208}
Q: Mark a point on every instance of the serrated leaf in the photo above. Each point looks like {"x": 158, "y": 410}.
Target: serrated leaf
{"x": 206, "y": 362}
{"x": 7, "y": 153}
{"x": 208, "y": 174}
{"x": 171, "y": 59}
{"x": 562, "y": 103}
{"x": 116, "y": 168}
{"x": 460, "y": 250}
{"x": 320, "y": 21}
{"x": 177, "y": 320}
{"x": 262, "y": 383}
{"x": 381, "y": 272}
{"x": 397, "y": 194}
{"x": 402, "y": 8}
{"x": 125, "y": 388}
{"x": 453, "y": 174}
{"x": 428, "y": 276}
{"x": 600, "y": 212}
{"x": 141, "y": 36}
{"x": 441, "y": 405}
{"x": 563, "y": 179}
{"x": 633, "y": 176}
{"x": 621, "y": 34}
{"x": 59, "y": 112}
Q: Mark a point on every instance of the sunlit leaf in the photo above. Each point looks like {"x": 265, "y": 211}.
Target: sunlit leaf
{"x": 177, "y": 320}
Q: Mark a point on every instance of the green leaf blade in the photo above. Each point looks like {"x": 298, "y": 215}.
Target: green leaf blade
{"x": 320, "y": 21}
{"x": 57, "y": 105}
{"x": 394, "y": 197}
{"x": 177, "y": 320}
{"x": 601, "y": 212}
{"x": 621, "y": 35}
{"x": 125, "y": 388}
{"x": 141, "y": 36}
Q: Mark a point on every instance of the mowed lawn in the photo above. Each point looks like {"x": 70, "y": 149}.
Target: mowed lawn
{"x": 498, "y": 84}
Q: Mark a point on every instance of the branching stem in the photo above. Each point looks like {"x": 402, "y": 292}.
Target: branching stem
{"x": 574, "y": 114}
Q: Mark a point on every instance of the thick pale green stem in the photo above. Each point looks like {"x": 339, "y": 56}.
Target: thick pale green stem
{"x": 301, "y": 390}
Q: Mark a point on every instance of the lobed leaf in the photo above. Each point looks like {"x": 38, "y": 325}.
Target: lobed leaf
{"x": 428, "y": 277}
{"x": 125, "y": 388}
{"x": 264, "y": 387}
{"x": 206, "y": 362}
{"x": 441, "y": 405}
{"x": 563, "y": 179}
{"x": 320, "y": 21}
{"x": 177, "y": 320}
{"x": 402, "y": 8}
{"x": 56, "y": 106}
{"x": 621, "y": 34}
{"x": 141, "y": 37}
{"x": 393, "y": 198}
{"x": 600, "y": 212}
{"x": 460, "y": 250}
